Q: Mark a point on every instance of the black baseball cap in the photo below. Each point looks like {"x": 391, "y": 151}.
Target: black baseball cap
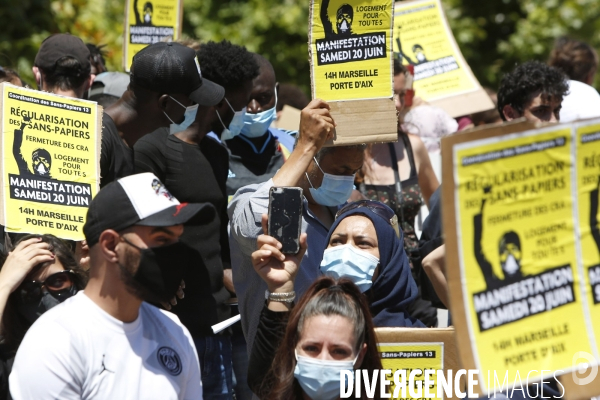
{"x": 139, "y": 199}
{"x": 61, "y": 45}
{"x": 168, "y": 67}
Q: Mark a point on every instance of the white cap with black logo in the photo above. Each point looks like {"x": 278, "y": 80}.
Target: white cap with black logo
{"x": 140, "y": 199}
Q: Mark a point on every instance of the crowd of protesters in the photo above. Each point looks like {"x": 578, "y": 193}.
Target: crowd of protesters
{"x": 176, "y": 239}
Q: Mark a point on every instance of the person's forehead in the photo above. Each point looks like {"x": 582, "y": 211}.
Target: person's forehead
{"x": 333, "y": 329}
{"x": 345, "y": 156}
{"x": 540, "y": 98}
{"x": 264, "y": 87}
{"x": 356, "y": 224}
{"x": 41, "y": 273}
{"x": 239, "y": 96}
{"x": 142, "y": 230}
{"x": 399, "y": 81}
{"x": 266, "y": 77}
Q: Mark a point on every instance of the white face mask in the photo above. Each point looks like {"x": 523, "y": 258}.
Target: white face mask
{"x": 147, "y": 17}
{"x": 256, "y": 125}
{"x": 189, "y": 117}
{"x": 236, "y": 124}
{"x": 511, "y": 265}
{"x": 41, "y": 169}
{"x": 320, "y": 379}
{"x": 334, "y": 190}
{"x": 346, "y": 261}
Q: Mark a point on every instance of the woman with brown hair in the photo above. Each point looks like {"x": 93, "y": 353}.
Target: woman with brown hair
{"x": 299, "y": 354}
{"x": 38, "y": 274}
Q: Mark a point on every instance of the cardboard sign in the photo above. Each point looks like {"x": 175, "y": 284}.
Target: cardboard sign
{"x": 517, "y": 295}
{"x": 587, "y": 180}
{"x": 431, "y": 349}
{"x": 587, "y": 145}
{"x": 50, "y": 161}
{"x": 148, "y": 22}
{"x": 350, "y": 54}
{"x": 289, "y": 119}
{"x": 422, "y": 38}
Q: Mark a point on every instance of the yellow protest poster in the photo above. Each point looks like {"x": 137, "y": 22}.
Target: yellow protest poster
{"x": 588, "y": 185}
{"x": 350, "y": 53}
{"x": 422, "y": 360}
{"x": 518, "y": 275}
{"x": 150, "y": 21}
{"x": 351, "y": 49}
{"x": 423, "y": 39}
{"x": 50, "y": 161}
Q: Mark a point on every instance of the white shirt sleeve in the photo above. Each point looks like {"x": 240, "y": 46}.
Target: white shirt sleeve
{"x": 46, "y": 365}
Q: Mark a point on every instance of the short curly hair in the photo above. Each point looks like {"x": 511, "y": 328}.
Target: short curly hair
{"x": 227, "y": 64}
{"x": 517, "y": 87}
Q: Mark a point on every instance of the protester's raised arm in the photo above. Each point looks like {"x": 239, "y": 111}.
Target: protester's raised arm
{"x": 278, "y": 270}
{"x": 316, "y": 127}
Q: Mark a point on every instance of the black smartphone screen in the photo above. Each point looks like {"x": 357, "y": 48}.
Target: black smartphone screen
{"x": 285, "y": 217}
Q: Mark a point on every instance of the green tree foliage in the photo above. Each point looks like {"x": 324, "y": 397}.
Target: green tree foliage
{"x": 28, "y": 22}
{"x": 277, "y": 29}
{"x": 493, "y": 35}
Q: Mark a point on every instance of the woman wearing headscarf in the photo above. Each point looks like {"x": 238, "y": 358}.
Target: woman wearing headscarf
{"x": 365, "y": 245}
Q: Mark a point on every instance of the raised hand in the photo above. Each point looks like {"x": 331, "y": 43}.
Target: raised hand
{"x": 21, "y": 261}
{"x": 278, "y": 270}
{"x": 316, "y": 125}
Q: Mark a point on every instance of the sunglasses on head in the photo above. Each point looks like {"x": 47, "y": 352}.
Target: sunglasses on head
{"x": 377, "y": 208}
{"x": 58, "y": 284}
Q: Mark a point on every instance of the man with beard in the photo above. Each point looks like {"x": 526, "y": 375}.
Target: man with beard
{"x": 107, "y": 341}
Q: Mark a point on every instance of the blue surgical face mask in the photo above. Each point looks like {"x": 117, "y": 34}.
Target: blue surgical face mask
{"x": 334, "y": 190}
{"x": 255, "y": 125}
{"x": 189, "y": 117}
{"x": 236, "y": 124}
{"x": 346, "y": 261}
{"x": 320, "y": 379}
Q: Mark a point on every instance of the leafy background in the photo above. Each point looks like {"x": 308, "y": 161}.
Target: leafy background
{"x": 493, "y": 35}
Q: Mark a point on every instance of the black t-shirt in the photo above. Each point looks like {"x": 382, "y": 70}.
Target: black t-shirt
{"x": 188, "y": 175}
{"x": 248, "y": 167}
{"x": 116, "y": 158}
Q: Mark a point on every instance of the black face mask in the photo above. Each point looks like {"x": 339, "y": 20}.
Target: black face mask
{"x": 161, "y": 270}
{"x": 33, "y": 310}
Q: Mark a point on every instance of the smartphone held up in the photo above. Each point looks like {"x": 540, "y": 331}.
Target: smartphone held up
{"x": 285, "y": 217}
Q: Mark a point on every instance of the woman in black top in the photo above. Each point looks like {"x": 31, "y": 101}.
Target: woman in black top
{"x": 300, "y": 354}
